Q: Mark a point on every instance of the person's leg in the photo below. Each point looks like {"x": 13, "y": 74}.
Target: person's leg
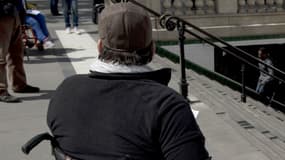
{"x": 15, "y": 59}
{"x": 260, "y": 89}
{"x": 42, "y": 21}
{"x": 36, "y": 27}
{"x": 75, "y": 16}
{"x": 75, "y": 12}
{"x": 54, "y": 7}
{"x": 66, "y": 4}
{"x": 15, "y": 62}
{"x": 258, "y": 86}
{"x": 51, "y": 5}
{"x": 38, "y": 24}
{"x": 269, "y": 88}
{"x": 6, "y": 25}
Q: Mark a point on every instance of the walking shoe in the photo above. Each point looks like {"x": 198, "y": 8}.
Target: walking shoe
{"x": 28, "y": 89}
{"x": 48, "y": 44}
{"x": 67, "y": 30}
{"x": 7, "y": 98}
{"x": 76, "y": 30}
{"x": 56, "y": 14}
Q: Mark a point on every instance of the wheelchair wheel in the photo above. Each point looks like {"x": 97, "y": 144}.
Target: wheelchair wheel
{"x": 28, "y": 36}
{"x": 29, "y": 43}
{"x": 40, "y": 46}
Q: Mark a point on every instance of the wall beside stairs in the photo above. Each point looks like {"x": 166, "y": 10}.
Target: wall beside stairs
{"x": 206, "y": 55}
{"x": 201, "y": 54}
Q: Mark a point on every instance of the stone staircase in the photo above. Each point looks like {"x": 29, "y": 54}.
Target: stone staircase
{"x": 260, "y": 125}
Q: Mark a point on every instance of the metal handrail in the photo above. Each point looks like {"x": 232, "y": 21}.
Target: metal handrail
{"x": 229, "y": 45}
{"x": 171, "y": 23}
{"x": 241, "y": 58}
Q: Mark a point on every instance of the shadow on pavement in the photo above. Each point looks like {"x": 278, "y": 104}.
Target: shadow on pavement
{"x": 51, "y": 51}
{"x": 39, "y": 60}
{"x": 44, "y": 94}
{"x": 52, "y": 55}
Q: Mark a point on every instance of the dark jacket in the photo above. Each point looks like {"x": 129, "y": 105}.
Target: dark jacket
{"x": 21, "y": 7}
{"x": 124, "y": 116}
{"x": 8, "y": 7}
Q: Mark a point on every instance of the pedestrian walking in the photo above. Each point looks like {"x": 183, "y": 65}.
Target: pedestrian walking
{"x": 264, "y": 83}
{"x": 264, "y": 78}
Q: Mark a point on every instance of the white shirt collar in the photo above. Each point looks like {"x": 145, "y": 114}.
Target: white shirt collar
{"x": 103, "y": 67}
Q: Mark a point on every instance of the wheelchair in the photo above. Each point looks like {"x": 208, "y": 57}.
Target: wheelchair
{"x": 55, "y": 149}
{"x": 30, "y": 39}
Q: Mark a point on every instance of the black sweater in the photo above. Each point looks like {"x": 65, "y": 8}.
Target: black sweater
{"x": 124, "y": 116}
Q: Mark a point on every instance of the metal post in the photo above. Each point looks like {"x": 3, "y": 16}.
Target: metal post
{"x": 183, "y": 82}
{"x": 243, "y": 95}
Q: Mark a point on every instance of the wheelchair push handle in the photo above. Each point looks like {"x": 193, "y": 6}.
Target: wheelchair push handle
{"x": 33, "y": 142}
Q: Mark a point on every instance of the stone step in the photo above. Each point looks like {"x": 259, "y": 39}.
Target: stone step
{"x": 280, "y": 116}
{"x": 267, "y": 113}
{"x": 265, "y": 123}
{"x": 228, "y": 103}
{"x": 270, "y": 117}
{"x": 238, "y": 117}
{"x": 231, "y": 139}
{"x": 267, "y": 150}
{"x": 236, "y": 114}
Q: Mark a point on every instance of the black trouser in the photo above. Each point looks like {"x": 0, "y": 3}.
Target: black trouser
{"x": 97, "y": 2}
{"x": 53, "y": 7}
{"x": 98, "y": 6}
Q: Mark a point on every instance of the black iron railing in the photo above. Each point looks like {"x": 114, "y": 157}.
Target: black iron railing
{"x": 171, "y": 23}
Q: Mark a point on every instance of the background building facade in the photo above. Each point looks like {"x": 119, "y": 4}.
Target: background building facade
{"x": 225, "y": 18}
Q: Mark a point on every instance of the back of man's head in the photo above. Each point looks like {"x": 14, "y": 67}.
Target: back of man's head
{"x": 126, "y": 33}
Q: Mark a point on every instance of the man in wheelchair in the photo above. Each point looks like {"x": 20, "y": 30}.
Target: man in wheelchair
{"x": 123, "y": 110}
